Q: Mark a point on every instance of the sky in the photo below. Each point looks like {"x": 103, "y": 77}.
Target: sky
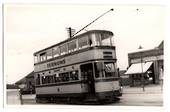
{"x": 32, "y": 27}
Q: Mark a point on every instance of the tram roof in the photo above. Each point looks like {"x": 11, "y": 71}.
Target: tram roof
{"x": 69, "y": 39}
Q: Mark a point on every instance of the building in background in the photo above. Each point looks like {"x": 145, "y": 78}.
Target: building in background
{"x": 146, "y": 65}
{"x": 124, "y": 78}
{"x": 27, "y": 84}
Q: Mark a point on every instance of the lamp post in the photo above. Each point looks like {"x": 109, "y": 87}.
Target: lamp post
{"x": 142, "y": 74}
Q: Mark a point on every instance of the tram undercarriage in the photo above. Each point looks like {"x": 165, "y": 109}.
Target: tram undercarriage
{"x": 83, "y": 98}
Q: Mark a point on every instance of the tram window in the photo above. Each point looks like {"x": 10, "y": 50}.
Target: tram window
{"x": 38, "y": 58}
{"x": 98, "y": 69}
{"x": 56, "y": 51}
{"x": 49, "y": 54}
{"x": 83, "y": 42}
{"x": 57, "y": 75}
{"x": 50, "y": 79}
{"x": 46, "y": 80}
{"x": 98, "y": 39}
{"x": 72, "y": 46}
{"x": 57, "y": 79}
{"x": 61, "y": 77}
{"x": 64, "y": 76}
{"x": 112, "y": 41}
{"x": 43, "y": 78}
{"x": 67, "y": 76}
{"x": 37, "y": 79}
{"x": 74, "y": 75}
{"x": 63, "y": 49}
{"x": 92, "y": 41}
{"x": 43, "y": 56}
{"x": 35, "y": 59}
{"x": 109, "y": 69}
{"x": 106, "y": 39}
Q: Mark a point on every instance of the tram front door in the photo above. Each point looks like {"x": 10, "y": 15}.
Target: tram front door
{"x": 87, "y": 74}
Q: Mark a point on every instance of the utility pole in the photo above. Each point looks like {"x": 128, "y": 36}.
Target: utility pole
{"x": 142, "y": 74}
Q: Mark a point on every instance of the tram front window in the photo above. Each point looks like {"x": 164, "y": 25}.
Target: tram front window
{"x": 106, "y": 40}
{"x": 102, "y": 39}
{"x": 109, "y": 69}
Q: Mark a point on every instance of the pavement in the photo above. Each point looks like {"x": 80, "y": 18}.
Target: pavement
{"x": 135, "y": 96}
{"x": 148, "y": 89}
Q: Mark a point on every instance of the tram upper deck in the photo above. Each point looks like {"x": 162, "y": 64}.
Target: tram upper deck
{"x": 91, "y": 45}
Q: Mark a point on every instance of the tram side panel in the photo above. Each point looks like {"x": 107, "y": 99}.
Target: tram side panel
{"x": 93, "y": 54}
{"x": 71, "y": 90}
{"x": 74, "y": 88}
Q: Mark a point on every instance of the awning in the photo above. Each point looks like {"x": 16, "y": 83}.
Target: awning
{"x": 137, "y": 68}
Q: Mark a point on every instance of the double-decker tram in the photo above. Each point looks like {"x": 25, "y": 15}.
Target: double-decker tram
{"x": 81, "y": 68}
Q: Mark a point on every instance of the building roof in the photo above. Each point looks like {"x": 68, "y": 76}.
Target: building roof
{"x": 161, "y": 45}
{"x": 12, "y": 86}
{"x": 30, "y": 75}
{"x": 23, "y": 80}
{"x": 151, "y": 52}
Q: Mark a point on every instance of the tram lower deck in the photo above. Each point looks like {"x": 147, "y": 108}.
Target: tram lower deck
{"x": 104, "y": 90}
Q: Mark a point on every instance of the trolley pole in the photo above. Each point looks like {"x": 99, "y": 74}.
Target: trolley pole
{"x": 92, "y": 22}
